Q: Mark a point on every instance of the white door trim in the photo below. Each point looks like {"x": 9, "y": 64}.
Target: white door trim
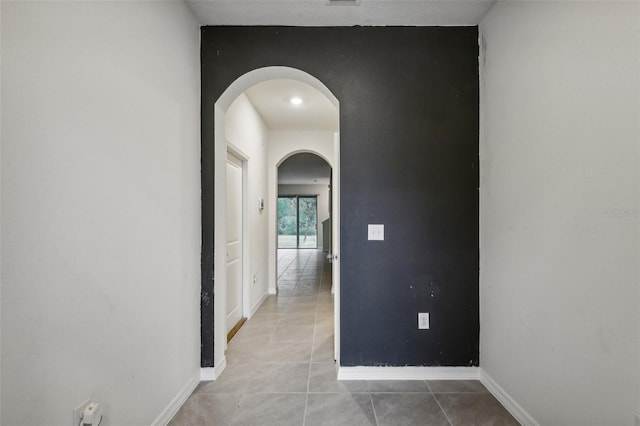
{"x": 246, "y": 237}
{"x": 335, "y": 246}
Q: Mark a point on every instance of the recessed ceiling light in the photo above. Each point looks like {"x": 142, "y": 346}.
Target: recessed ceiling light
{"x": 296, "y": 100}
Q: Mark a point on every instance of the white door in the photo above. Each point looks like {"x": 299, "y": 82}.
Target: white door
{"x": 234, "y": 241}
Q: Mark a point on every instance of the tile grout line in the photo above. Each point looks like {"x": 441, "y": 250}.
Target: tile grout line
{"x": 306, "y": 402}
{"x": 440, "y": 405}
{"x": 373, "y": 407}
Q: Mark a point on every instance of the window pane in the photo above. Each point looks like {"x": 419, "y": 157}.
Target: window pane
{"x": 287, "y": 222}
{"x": 308, "y": 227}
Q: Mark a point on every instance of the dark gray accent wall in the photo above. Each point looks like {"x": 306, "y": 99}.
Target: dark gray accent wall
{"x": 409, "y": 104}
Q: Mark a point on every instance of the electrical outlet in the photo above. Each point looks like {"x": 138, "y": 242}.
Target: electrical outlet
{"x": 77, "y": 412}
{"x": 423, "y": 320}
{"x": 255, "y": 280}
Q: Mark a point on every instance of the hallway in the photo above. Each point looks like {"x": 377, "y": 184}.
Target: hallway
{"x": 281, "y": 371}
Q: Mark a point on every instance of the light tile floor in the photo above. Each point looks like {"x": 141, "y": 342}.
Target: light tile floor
{"x": 280, "y": 371}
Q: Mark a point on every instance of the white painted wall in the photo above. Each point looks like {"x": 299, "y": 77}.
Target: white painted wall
{"x": 322, "y": 191}
{"x": 100, "y": 209}
{"x": 281, "y": 145}
{"x": 559, "y": 152}
{"x": 247, "y": 132}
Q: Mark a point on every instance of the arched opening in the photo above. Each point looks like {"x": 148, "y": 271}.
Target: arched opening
{"x": 277, "y": 148}
{"x": 304, "y": 203}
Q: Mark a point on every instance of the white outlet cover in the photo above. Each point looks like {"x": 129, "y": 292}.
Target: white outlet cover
{"x": 423, "y": 320}
{"x": 78, "y": 411}
{"x": 376, "y": 232}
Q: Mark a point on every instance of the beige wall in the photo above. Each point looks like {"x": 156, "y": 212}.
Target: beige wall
{"x": 100, "y": 209}
{"x": 559, "y": 157}
{"x": 247, "y": 132}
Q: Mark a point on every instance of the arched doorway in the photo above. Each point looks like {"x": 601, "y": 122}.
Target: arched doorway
{"x": 214, "y": 329}
{"x": 304, "y": 203}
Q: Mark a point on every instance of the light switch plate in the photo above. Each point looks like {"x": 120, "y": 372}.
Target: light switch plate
{"x": 376, "y": 232}
{"x": 423, "y": 320}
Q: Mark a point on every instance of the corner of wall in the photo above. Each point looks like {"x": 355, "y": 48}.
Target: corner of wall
{"x": 174, "y": 405}
{"x": 507, "y": 400}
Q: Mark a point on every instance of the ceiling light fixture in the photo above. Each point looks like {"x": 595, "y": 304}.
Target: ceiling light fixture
{"x": 296, "y": 100}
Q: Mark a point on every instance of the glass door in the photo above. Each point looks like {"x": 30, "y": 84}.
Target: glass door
{"x": 298, "y": 221}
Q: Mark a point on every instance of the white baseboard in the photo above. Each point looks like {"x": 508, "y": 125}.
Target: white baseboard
{"x": 408, "y": 373}
{"x": 208, "y": 373}
{"x": 259, "y": 303}
{"x": 507, "y": 401}
{"x": 170, "y": 410}
{"x": 272, "y": 291}
{"x": 212, "y": 373}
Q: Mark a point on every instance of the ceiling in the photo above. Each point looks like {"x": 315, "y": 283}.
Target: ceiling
{"x": 272, "y": 100}
{"x": 322, "y": 13}
{"x": 304, "y": 169}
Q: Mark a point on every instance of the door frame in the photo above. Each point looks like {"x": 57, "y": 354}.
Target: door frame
{"x": 246, "y": 237}
{"x": 333, "y": 160}
{"x": 217, "y": 339}
{"x": 335, "y": 245}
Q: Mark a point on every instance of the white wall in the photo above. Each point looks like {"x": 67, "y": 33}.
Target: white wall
{"x": 322, "y": 191}
{"x": 100, "y": 209}
{"x": 559, "y": 152}
{"x": 281, "y": 145}
{"x": 247, "y": 132}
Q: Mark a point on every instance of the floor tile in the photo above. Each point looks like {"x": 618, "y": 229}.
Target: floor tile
{"x": 407, "y": 409}
{"x": 294, "y": 308}
{"x": 293, "y": 333}
{"x": 206, "y": 409}
{"x": 245, "y": 351}
{"x": 398, "y": 386}
{"x": 304, "y": 291}
{"x": 256, "y": 331}
{"x": 325, "y": 309}
{"x": 474, "y": 409}
{"x": 324, "y": 299}
{"x": 292, "y": 352}
{"x": 304, "y": 300}
{"x": 234, "y": 379}
{"x": 323, "y": 340}
{"x": 325, "y": 321}
{"x": 323, "y": 378}
{"x": 338, "y": 409}
{"x": 274, "y": 409}
{"x": 280, "y": 377}
{"x": 266, "y": 316}
{"x": 456, "y": 386}
{"x": 298, "y": 319}
{"x": 323, "y": 352}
